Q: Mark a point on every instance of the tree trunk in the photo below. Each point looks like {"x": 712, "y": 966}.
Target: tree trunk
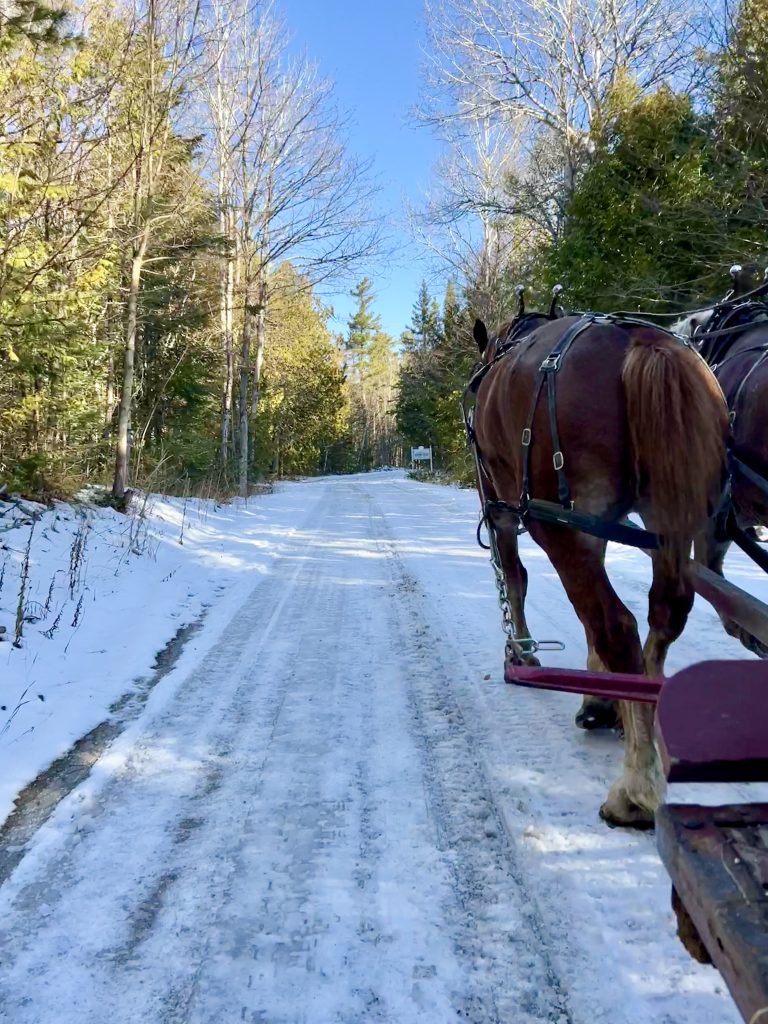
{"x": 109, "y": 398}
{"x": 126, "y": 390}
{"x": 261, "y": 337}
{"x": 227, "y": 302}
{"x": 245, "y": 367}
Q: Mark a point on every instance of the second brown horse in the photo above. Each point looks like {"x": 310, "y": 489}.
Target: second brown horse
{"x": 641, "y": 424}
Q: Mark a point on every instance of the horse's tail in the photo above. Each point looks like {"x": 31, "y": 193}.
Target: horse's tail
{"x": 678, "y": 422}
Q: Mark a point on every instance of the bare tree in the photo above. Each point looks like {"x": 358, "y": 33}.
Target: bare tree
{"x": 466, "y": 224}
{"x": 226, "y": 107}
{"x": 296, "y": 191}
{"x": 549, "y": 65}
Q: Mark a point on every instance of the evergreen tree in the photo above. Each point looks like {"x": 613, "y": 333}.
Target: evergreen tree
{"x": 643, "y": 225}
{"x": 362, "y": 328}
{"x": 424, "y": 328}
{"x": 371, "y": 364}
{"x": 740, "y": 129}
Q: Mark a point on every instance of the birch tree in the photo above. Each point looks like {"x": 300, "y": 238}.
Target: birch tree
{"x": 297, "y": 192}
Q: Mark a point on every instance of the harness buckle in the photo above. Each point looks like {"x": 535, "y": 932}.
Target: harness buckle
{"x": 558, "y": 461}
{"x": 526, "y": 437}
{"x": 551, "y": 364}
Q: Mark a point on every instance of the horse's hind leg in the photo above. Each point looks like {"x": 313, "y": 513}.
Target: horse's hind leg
{"x": 578, "y": 560}
{"x": 669, "y": 605}
{"x": 517, "y": 585}
{"x": 596, "y": 712}
{"x": 633, "y": 799}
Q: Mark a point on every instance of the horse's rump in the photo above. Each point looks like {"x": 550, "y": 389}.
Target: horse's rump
{"x": 641, "y": 422}
{"x": 591, "y": 418}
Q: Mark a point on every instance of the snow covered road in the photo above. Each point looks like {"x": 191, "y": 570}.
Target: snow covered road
{"x": 327, "y": 813}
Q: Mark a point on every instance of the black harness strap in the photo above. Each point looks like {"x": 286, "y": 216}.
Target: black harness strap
{"x": 595, "y": 526}
{"x": 736, "y": 465}
{"x": 750, "y": 547}
{"x": 526, "y": 440}
{"x": 727, "y": 323}
{"x": 740, "y": 390}
{"x": 548, "y": 371}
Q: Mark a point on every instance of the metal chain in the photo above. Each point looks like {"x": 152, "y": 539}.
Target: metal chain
{"x": 515, "y": 650}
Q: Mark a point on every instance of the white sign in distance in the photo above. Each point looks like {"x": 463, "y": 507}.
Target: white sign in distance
{"x": 421, "y": 454}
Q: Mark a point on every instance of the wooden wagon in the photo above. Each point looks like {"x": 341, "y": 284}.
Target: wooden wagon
{"x": 717, "y": 857}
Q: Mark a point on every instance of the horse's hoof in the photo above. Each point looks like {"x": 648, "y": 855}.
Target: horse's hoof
{"x": 598, "y": 714}
{"x": 526, "y": 659}
{"x": 630, "y": 816}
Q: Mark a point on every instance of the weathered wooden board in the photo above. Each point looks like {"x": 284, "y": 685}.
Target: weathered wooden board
{"x": 717, "y": 858}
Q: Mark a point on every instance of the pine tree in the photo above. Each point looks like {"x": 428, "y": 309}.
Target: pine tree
{"x": 643, "y": 224}
{"x": 362, "y": 328}
{"x": 740, "y": 107}
{"x": 425, "y": 321}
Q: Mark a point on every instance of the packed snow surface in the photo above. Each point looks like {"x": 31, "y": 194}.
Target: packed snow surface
{"x": 332, "y": 809}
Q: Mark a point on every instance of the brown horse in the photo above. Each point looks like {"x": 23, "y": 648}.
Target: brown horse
{"x": 641, "y": 424}
{"x": 735, "y": 344}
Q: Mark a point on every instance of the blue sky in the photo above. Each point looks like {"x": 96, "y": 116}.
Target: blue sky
{"x": 371, "y": 49}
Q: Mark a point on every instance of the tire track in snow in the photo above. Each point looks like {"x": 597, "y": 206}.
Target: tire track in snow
{"x": 497, "y": 928}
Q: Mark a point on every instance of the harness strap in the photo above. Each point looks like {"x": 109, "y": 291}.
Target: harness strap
{"x": 548, "y": 371}
{"x": 584, "y": 522}
{"x": 742, "y": 352}
{"x": 558, "y": 459}
{"x": 735, "y": 465}
{"x": 740, "y": 391}
{"x": 750, "y": 547}
{"x": 526, "y": 440}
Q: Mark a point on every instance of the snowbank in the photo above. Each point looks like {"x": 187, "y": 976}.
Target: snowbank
{"x": 95, "y": 595}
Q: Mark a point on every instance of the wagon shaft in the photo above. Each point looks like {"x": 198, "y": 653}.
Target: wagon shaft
{"x": 731, "y": 601}
{"x": 611, "y": 685}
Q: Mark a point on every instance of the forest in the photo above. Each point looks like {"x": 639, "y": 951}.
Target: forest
{"x": 178, "y": 192}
